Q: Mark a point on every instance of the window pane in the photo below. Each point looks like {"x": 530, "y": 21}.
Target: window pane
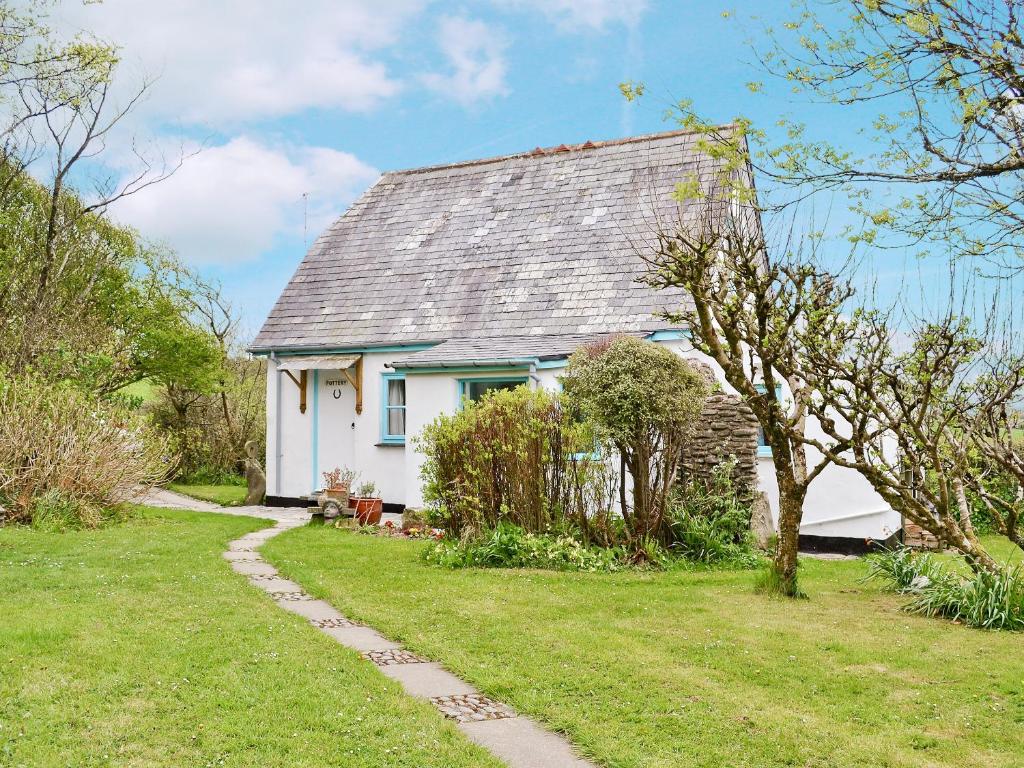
{"x": 396, "y": 421}
{"x": 396, "y": 391}
{"x": 477, "y": 389}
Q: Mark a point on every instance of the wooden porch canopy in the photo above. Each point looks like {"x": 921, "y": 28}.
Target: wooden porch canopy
{"x": 350, "y": 365}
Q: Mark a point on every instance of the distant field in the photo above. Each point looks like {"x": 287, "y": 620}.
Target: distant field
{"x": 146, "y": 390}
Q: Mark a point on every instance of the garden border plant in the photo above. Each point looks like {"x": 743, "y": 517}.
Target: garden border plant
{"x": 643, "y": 400}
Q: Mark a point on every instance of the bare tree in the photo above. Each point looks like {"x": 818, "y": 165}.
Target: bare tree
{"x": 992, "y": 405}
{"x": 745, "y": 307}
{"x": 63, "y": 254}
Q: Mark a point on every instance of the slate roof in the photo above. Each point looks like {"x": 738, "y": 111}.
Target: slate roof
{"x": 497, "y": 350}
{"x": 538, "y": 243}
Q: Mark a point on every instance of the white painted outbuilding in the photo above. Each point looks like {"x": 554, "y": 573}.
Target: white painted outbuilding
{"x": 442, "y": 282}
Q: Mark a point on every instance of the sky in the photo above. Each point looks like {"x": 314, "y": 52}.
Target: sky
{"x": 285, "y": 112}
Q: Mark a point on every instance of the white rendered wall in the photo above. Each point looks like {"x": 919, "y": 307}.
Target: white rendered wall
{"x": 839, "y": 502}
{"x": 332, "y": 431}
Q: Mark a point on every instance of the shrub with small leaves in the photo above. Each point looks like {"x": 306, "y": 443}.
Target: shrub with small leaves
{"x": 643, "y": 400}
{"x": 509, "y": 546}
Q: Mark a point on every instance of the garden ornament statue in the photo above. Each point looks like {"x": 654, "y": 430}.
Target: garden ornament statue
{"x": 255, "y": 480}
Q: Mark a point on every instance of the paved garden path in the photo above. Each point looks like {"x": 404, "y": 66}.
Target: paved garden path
{"x": 518, "y": 741}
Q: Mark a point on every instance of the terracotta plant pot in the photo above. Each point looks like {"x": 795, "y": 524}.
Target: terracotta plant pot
{"x": 367, "y": 510}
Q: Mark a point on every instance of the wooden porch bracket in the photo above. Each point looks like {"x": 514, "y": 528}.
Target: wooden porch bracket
{"x": 356, "y": 380}
{"x": 301, "y": 384}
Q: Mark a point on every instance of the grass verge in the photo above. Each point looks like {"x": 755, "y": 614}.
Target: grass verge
{"x": 691, "y": 668}
{"x": 136, "y": 645}
{"x": 225, "y": 495}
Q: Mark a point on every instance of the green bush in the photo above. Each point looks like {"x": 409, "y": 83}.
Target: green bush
{"x": 66, "y": 455}
{"x": 985, "y": 599}
{"x": 514, "y": 457}
{"x": 509, "y": 546}
{"x": 643, "y": 399}
{"x": 709, "y": 522}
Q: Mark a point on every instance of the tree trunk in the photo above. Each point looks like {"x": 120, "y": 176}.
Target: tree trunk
{"x": 784, "y": 563}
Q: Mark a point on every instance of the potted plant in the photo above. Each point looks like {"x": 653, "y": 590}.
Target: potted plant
{"x": 367, "y": 504}
{"x": 338, "y": 483}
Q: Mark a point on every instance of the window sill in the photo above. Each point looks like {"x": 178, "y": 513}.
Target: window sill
{"x": 391, "y": 444}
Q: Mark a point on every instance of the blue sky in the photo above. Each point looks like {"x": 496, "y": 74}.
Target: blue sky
{"x": 293, "y": 109}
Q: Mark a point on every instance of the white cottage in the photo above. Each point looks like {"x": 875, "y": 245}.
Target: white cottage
{"x": 440, "y": 283}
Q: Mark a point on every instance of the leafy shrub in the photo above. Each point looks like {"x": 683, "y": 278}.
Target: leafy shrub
{"x": 709, "y": 521}
{"x": 211, "y": 427}
{"x": 514, "y": 457}
{"x": 643, "y": 398}
{"x": 509, "y": 546}
{"x": 65, "y": 455}
{"x": 985, "y": 599}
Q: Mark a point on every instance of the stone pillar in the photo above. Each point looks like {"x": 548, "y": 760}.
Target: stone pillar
{"x": 726, "y": 427}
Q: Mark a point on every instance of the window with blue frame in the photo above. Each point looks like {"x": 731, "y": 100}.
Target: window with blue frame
{"x": 763, "y": 449}
{"x": 392, "y": 417}
{"x": 474, "y": 389}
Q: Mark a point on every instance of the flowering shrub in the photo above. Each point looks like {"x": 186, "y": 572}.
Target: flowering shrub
{"x": 66, "y": 457}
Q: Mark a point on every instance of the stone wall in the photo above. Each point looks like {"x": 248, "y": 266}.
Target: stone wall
{"x": 726, "y": 427}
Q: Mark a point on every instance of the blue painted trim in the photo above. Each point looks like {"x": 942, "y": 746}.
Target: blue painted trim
{"x": 668, "y": 335}
{"x": 385, "y": 438}
{"x": 519, "y": 368}
{"x": 765, "y": 451}
{"x": 315, "y": 429}
{"x": 560, "y": 363}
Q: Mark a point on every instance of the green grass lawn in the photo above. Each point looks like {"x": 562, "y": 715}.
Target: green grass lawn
{"x": 136, "y": 645}
{"x": 692, "y": 668}
{"x": 146, "y": 390}
{"x": 225, "y": 495}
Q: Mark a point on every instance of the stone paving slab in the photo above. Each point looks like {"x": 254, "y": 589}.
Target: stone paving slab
{"x": 314, "y": 610}
{"x": 242, "y": 556}
{"x": 360, "y": 638}
{"x": 253, "y": 568}
{"x": 522, "y": 743}
{"x": 428, "y": 681}
{"x": 278, "y": 586}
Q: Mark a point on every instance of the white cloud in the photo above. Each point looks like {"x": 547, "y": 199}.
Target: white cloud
{"x": 574, "y": 15}
{"x": 476, "y": 55}
{"x": 229, "y": 203}
{"x": 228, "y": 61}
